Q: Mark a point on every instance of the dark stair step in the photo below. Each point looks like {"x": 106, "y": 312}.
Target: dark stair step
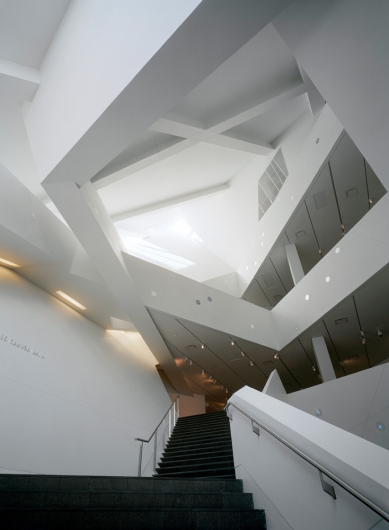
{"x": 198, "y": 466}
{"x": 228, "y": 472}
{"x": 120, "y": 519}
{"x": 211, "y": 449}
{"x": 189, "y": 461}
{"x": 190, "y": 456}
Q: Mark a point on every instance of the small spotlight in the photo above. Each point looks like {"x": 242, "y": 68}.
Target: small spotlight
{"x": 186, "y": 358}
{"x": 320, "y": 251}
{"x": 190, "y": 362}
{"x": 222, "y": 387}
{"x": 242, "y": 353}
{"x": 276, "y": 356}
{"x": 370, "y": 201}
{"x": 363, "y": 341}
{"x": 379, "y": 333}
{"x": 215, "y": 382}
{"x": 226, "y": 390}
{"x": 232, "y": 343}
{"x": 362, "y": 333}
{"x": 251, "y": 363}
{"x": 342, "y": 227}
{"x": 202, "y": 346}
{"x": 314, "y": 368}
{"x": 202, "y": 372}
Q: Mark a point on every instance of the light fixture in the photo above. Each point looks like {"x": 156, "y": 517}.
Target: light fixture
{"x": 379, "y": 333}
{"x": 380, "y": 426}
{"x": 215, "y": 382}
{"x": 328, "y": 279}
{"x": 320, "y": 251}
{"x": 370, "y": 201}
{"x": 314, "y": 368}
{"x": 247, "y": 267}
{"x": 190, "y": 362}
{"x": 242, "y": 353}
{"x": 153, "y": 293}
{"x": 186, "y": 358}
{"x": 362, "y": 333}
{"x": 255, "y": 263}
{"x": 318, "y": 412}
{"x": 363, "y": 341}
{"x": 307, "y": 297}
{"x": 226, "y": 390}
{"x": 251, "y": 363}
{"x": 202, "y": 372}
{"x": 202, "y": 346}
{"x": 252, "y": 326}
{"x": 8, "y": 263}
{"x": 276, "y": 356}
{"x": 232, "y": 343}
{"x": 222, "y": 387}
{"x": 342, "y": 227}
{"x": 69, "y": 299}
{"x": 337, "y": 250}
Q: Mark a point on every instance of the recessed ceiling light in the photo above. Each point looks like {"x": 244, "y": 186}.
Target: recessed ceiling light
{"x": 252, "y": 326}
{"x": 314, "y": 368}
{"x": 263, "y": 234}
{"x": 8, "y": 263}
{"x": 276, "y": 356}
{"x": 328, "y": 279}
{"x": 292, "y": 197}
{"x": 153, "y": 293}
{"x": 198, "y": 302}
{"x": 247, "y": 267}
{"x": 255, "y": 263}
{"x": 307, "y": 297}
{"x": 251, "y": 363}
{"x": 242, "y": 353}
{"x": 202, "y": 346}
{"x": 380, "y": 426}
{"x": 232, "y": 343}
{"x": 209, "y": 299}
{"x": 71, "y": 300}
{"x": 337, "y": 250}
{"x": 202, "y": 372}
{"x": 318, "y": 412}
{"x": 262, "y": 244}
{"x": 226, "y": 390}
{"x": 190, "y": 362}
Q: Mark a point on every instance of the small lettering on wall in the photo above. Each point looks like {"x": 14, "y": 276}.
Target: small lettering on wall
{"x": 16, "y": 344}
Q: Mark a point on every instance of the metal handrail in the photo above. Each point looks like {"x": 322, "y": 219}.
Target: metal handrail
{"x": 322, "y": 469}
{"x": 142, "y": 440}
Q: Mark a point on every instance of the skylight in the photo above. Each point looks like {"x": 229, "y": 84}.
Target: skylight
{"x": 270, "y": 183}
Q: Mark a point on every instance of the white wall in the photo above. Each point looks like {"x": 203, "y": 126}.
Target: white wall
{"x": 354, "y": 403}
{"x": 288, "y": 487}
{"x": 78, "y": 409}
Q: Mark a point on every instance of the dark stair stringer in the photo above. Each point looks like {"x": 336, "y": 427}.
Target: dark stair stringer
{"x": 49, "y": 502}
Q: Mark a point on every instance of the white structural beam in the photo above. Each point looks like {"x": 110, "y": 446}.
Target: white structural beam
{"x": 171, "y": 202}
{"x": 181, "y": 297}
{"x": 200, "y": 134}
{"x": 307, "y": 164}
{"x": 323, "y": 359}
{"x": 88, "y": 218}
{"x": 223, "y": 123}
{"x": 316, "y": 100}
{"x": 333, "y": 43}
{"x": 20, "y": 81}
{"x": 294, "y": 263}
{"x": 179, "y": 65}
{"x": 336, "y": 276}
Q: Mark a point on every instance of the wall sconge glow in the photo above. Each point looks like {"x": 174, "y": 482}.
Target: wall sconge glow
{"x": 8, "y": 263}
{"x": 69, "y": 299}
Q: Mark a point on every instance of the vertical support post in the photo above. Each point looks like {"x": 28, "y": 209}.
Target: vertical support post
{"x": 163, "y": 434}
{"x": 178, "y": 406}
{"x": 140, "y": 460}
{"x": 294, "y": 262}
{"x": 323, "y": 359}
{"x": 155, "y": 451}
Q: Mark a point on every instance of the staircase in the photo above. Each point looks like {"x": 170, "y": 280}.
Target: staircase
{"x": 194, "y": 489}
{"x": 199, "y": 447}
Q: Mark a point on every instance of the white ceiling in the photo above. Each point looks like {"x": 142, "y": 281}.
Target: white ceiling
{"x": 264, "y": 66}
{"x": 199, "y": 167}
{"x": 27, "y": 28}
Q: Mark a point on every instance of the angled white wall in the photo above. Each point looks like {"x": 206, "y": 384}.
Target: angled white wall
{"x": 78, "y": 409}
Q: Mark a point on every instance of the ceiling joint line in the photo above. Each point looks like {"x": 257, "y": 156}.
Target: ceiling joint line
{"x": 263, "y": 292}
{"x": 306, "y": 353}
{"x": 279, "y": 277}
{"x": 367, "y": 183}
{"x": 249, "y": 358}
{"x": 279, "y": 358}
{"x": 336, "y": 195}
{"x": 313, "y": 229}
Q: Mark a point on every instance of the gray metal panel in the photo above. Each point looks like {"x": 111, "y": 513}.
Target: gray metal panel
{"x": 307, "y": 245}
{"x": 348, "y": 171}
{"x": 255, "y": 295}
{"x": 278, "y": 258}
{"x": 326, "y": 221}
{"x": 278, "y": 290}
